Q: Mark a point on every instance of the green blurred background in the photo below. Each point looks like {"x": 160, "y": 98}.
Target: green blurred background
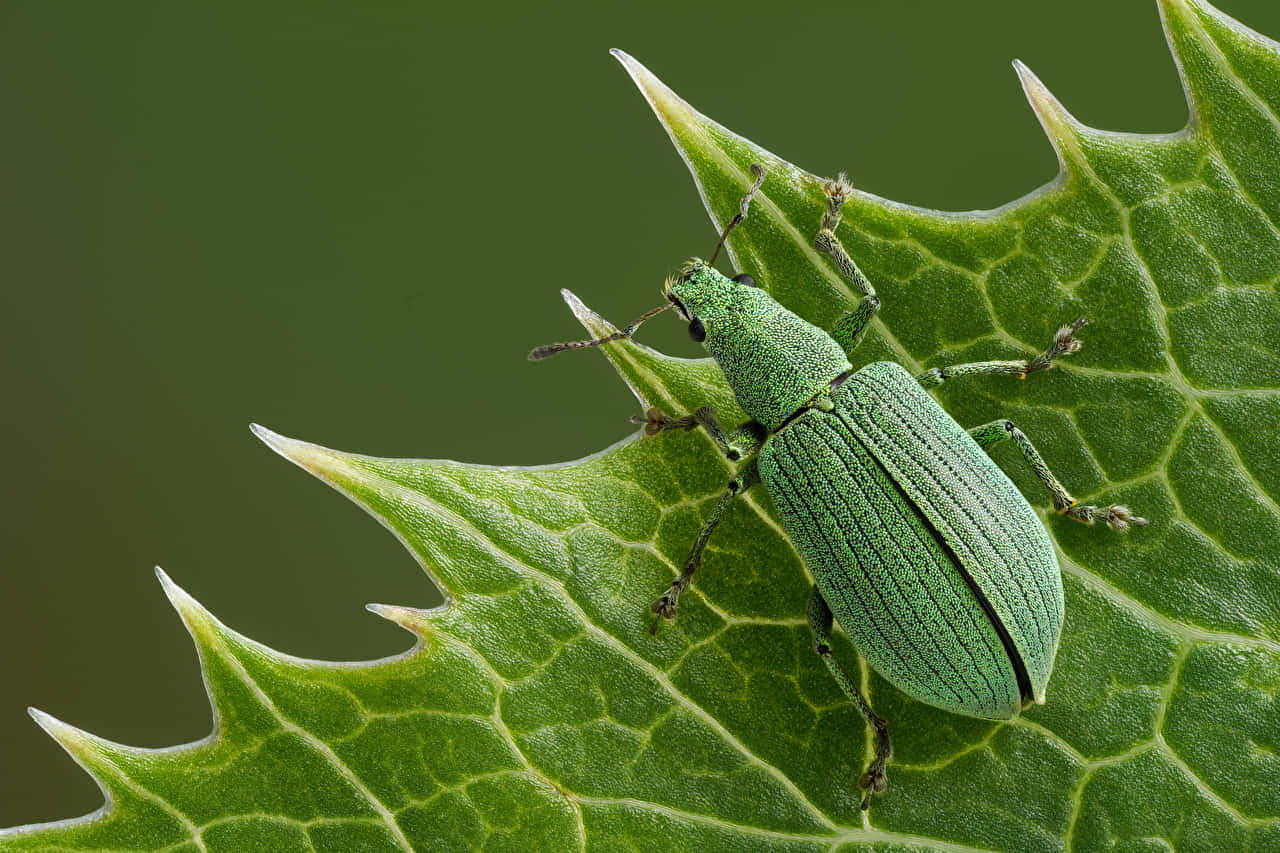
{"x": 349, "y": 222}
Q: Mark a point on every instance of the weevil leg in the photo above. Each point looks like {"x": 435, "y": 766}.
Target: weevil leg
{"x": 849, "y": 329}
{"x": 852, "y": 327}
{"x": 1064, "y": 343}
{"x": 1117, "y": 517}
{"x": 665, "y": 606}
{"x": 820, "y": 620}
{"x": 745, "y": 439}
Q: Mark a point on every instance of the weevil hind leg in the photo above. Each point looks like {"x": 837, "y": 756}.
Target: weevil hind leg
{"x": 873, "y": 781}
{"x": 1117, "y": 517}
{"x": 665, "y": 606}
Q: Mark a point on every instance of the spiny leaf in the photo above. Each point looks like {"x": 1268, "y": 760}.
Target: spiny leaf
{"x": 536, "y": 712}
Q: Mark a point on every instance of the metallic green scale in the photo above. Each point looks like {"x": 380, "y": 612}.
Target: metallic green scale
{"x": 884, "y": 495}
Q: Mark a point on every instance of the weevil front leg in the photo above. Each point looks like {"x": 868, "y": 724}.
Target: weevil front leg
{"x": 849, "y": 329}
{"x": 1064, "y": 343}
{"x": 820, "y": 621}
{"x": 665, "y": 606}
{"x": 745, "y": 439}
{"x": 1117, "y": 517}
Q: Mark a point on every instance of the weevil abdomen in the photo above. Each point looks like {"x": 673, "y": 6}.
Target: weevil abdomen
{"x": 935, "y": 565}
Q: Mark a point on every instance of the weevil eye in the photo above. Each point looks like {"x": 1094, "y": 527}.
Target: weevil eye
{"x": 697, "y": 331}
{"x": 744, "y": 278}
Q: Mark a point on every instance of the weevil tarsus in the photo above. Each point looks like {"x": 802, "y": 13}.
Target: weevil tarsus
{"x": 873, "y": 780}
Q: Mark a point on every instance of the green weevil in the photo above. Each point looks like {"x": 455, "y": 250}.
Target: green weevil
{"x": 934, "y": 564}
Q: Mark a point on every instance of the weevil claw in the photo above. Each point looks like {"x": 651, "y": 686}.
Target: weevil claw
{"x": 653, "y": 421}
{"x": 837, "y": 192}
{"x": 1118, "y": 517}
{"x": 873, "y": 782}
{"x": 666, "y": 605}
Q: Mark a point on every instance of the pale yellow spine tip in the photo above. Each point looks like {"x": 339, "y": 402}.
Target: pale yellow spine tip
{"x": 391, "y": 612}
{"x": 319, "y": 460}
{"x": 1059, "y": 125}
{"x": 177, "y": 596}
{"x": 72, "y": 739}
{"x": 671, "y": 109}
{"x": 1054, "y": 116}
{"x": 410, "y": 618}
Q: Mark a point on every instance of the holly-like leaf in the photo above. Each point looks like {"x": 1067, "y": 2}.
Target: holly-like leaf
{"x": 535, "y": 711}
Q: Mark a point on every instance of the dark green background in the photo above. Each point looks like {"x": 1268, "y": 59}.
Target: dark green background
{"x": 349, "y": 222}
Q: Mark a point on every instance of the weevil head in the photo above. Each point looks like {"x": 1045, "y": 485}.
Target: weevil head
{"x": 774, "y": 361}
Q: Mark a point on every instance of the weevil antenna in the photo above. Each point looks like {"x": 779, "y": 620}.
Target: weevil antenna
{"x": 758, "y": 171}
{"x": 549, "y": 350}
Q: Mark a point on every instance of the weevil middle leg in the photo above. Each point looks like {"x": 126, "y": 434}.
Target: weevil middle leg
{"x": 820, "y": 621}
{"x": 1117, "y": 517}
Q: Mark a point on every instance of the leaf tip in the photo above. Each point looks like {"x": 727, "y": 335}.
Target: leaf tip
{"x": 77, "y": 742}
{"x": 166, "y": 582}
{"x": 598, "y": 326}
{"x": 672, "y": 110}
{"x": 1192, "y": 26}
{"x": 176, "y": 594}
{"x": 1059, "y": 125}
{"x": 642, "y": 76}
{"x": 193, "y": 615}
{"x": 411, "y": 619}
{"x": 321, "y": 461}
{"x": 274, "y": 440}
{"x": 43, "y": 720}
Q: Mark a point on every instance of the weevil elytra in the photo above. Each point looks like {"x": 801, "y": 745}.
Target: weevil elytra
{"x": 922, "y": 549}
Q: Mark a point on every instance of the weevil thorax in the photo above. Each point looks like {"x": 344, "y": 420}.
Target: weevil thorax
{"x": 775, "y": 362}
